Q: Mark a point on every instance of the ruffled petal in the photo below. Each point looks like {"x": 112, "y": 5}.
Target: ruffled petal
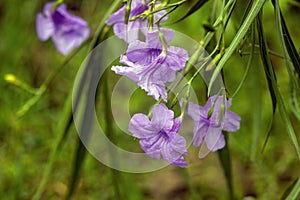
{"x": 141, "y": 127}
{"x": 176, "y": 58}
{"x": 152, "y": 146}
{"x": 138, "y": 52}
{"x": 125, "y": 71}
{"x": 178, "y": 144}
{"x": 172, "y": 156}
{"x": 162, "y": 117}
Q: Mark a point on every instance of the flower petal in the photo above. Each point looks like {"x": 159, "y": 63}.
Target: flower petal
{"x": 126, "y": 71}
{"x": 152, "y": 38}
{"x": 176, "y": 58}
{"x": 195, "y": 111}
{"x": 152, "y": 146}
{"x": 66, "y": 42}
{"x": 172, "y": 156}
{"x": 200, "y": 131}
{"x": 44, "y": 27}
{"x": 231, "y": 121}
{"x": 141, "y": 127}
{"x": 138, "y": 52}
{"x": 117, "y": 17}
{"x": 162, "y": 117}
{"x": 178, "y": 144}
{"x": 214, "y": 138}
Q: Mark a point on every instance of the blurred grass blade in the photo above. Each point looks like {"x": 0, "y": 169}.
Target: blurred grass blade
{"x": 237, "y": 39}
{"x": 255, "y": 96}
{"x": 63, "y": 129}
{"x": 269, "y": 69}
{"x": 79, "y": 158}
{"x": 87, "y": 78}
{"x": 193, "y": 9}
{"x": 293, "y": 191}
{"x": 224, "y": 157}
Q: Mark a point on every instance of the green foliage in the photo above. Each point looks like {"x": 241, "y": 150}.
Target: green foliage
{"x": 41, "y": 156}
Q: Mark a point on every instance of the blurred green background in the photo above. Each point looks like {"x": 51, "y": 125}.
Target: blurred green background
{"x": 25, "y": 142}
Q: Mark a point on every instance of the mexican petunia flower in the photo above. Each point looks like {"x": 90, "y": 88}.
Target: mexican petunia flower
{"x": 151, "y": 67}
{"x": 130, "y": 32}
{"x": 67, "y": 31}
{"x": 159, "y": 137}
{"x": 211, "y": 119}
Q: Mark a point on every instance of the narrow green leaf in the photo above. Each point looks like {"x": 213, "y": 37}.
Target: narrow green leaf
{"x": 224, "y": 157}
{"x": 289, "y": 44}
{"x": 79, "y": 158}
{"x": 268, "y": 67}
{"x": 289, "y": 49}
{"x": 62, "y": 131}
{"x": 294, "y": 97}
{"x": 269, "y": 72}
{"x": 237, "y": 39}
{"x": 273, "y": 86}
{"x": 193, "y": 9}
{"x": 293, "y": 191}
{"x": 87, "y": 78}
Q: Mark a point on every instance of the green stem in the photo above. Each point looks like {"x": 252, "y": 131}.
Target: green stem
{"x": 247, "y": 67}
{"x": 237, "y": 39}
{"x": 43, "y": 88}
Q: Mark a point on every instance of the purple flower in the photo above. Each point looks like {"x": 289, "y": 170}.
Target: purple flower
{"x": 130, "y": 32}
{"x": 211, "y": 119}
{"x": 159, "y": 137}
{"x": 150, "y": 66}
{"x": 67, "y": 31}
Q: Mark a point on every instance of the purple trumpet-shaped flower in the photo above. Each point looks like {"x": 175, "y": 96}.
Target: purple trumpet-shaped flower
{"x": 130, "y": 32}
{"x": 211, "y": 119}
{"x": 67, "y": 31}
{"x": 151, "y": 67}
{"x": 159, "y": 137}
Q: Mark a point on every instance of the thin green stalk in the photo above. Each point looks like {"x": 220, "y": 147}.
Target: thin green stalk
{"x": 43, "y": 88}
{"x": 247, "y": 67}
{"x": 63, "y": 126}
{"x": 189, "y": 183}
{"x": 111, "y": 135}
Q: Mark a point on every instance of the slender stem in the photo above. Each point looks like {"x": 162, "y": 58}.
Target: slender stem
{"x": 248, "y": 65}
{"x": 237, "y": 39}
{"x": 43, "y": 88}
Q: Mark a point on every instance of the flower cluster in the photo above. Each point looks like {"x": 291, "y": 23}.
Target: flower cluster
{"x": 67, "y": 31}
{"x": 153, "y": 63}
